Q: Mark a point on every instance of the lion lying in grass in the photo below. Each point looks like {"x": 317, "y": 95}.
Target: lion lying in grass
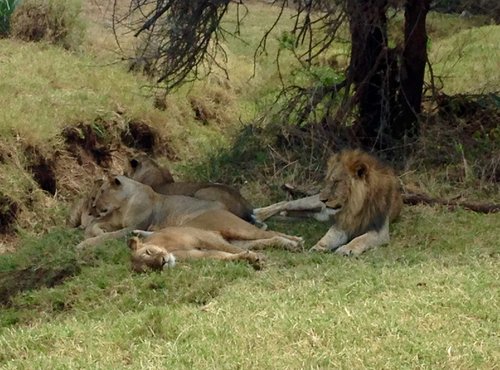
{"x": 143, "y": 169}
{"x": 122, "y": 205}
{"x": 361, "y": 196}
{"x": 161, "y": 249}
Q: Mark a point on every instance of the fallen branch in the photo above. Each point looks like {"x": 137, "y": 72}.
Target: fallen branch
{"x": 413, "y": 199}
{"x": 299, "y": 193}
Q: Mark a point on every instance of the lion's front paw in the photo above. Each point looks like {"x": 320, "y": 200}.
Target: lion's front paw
{"x": 348, "y": 251}
{"x": 318, "y": 248}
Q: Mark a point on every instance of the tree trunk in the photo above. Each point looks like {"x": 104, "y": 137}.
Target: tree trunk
{"x": 411, "y": 70}
{"x": 368, "y": 27}
{"x": 388, "y": 84}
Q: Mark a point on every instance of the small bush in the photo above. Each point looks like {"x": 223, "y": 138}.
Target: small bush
{"x": 55, "y": 21}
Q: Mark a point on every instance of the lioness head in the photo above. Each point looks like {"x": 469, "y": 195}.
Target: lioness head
{"x": 143, "y": 169}
{"x": 345, "y": 182}
{"x": 111, "y": 195}
{"x": 149, "y": 256}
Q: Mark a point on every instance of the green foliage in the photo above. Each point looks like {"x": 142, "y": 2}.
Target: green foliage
{"x": 55, "y": 21}
{"x": 326, "y": 75}
{"x": 287, "y": 41}
{"x": 6, "y": 9}
{"x": 233, "y": 164}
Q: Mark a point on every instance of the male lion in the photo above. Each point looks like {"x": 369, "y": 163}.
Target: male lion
{"x": 122, "y": 205}
{"x": 145, "y": 170}
{"x": 361, "y": 196}
{"x": 161, "y": 249}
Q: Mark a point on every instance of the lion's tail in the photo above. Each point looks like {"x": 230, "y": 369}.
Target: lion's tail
{"x": 250, "y": 217}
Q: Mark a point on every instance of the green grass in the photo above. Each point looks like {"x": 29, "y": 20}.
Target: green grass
{"x": 429, "y": 300}
{"x": 45, "y": 88}
{"x": 468, "y": 61}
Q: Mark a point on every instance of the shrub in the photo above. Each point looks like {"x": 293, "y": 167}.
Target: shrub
{"x": 55, "y": 21}
{"x": 6, "y": 9}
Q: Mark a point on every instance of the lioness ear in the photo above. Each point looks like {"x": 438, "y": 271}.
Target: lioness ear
{"x": 134, "y": 163}
{"x": 133, "y": 243}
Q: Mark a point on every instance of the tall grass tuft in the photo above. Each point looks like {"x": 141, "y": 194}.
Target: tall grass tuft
{"x": 6, "y": 9}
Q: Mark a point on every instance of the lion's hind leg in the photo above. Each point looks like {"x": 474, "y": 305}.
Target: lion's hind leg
{"x": 254, "y": 259}
{"x": 231, "y": 228}
{"x": 276, "y": 241}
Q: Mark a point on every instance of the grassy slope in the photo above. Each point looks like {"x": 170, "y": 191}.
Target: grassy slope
{"x": 467, "y": 54}
{"x": 430, "y": 300}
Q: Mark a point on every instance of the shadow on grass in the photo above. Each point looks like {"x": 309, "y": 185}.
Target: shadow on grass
{"x": 39, "y": 262}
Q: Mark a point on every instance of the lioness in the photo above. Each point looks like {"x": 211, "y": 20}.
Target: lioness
{"x": 145, "y": 170}
{"x": 161, "y": 249}
{"x": 123, "y": 205}
{"x": 361, "y": 196}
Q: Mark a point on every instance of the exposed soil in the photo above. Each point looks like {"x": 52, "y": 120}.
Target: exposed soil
{"x": 8, "y": 214}
{"x": 88, "y": 140}
{"x": 140, "y": 136}
{"x": 42, "y": 169}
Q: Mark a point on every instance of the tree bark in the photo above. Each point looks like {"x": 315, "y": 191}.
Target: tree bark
{"x": 388, "y": 82}
{"x": 412, "y": 70}
{"x": 368, "y": 27}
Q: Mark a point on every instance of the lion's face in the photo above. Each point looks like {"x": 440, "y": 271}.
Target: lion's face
{"x": 109, "y": 196}
{"x": 148, "y": 256}
{"x": 342, "y": 179}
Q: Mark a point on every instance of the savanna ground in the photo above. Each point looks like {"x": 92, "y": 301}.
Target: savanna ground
{"x": 428, "y": 300}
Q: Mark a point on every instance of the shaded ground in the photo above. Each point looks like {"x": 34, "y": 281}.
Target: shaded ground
{"x": 16, "y": 281}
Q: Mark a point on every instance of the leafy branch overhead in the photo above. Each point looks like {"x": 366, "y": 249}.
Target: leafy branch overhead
{"x": 180, "y": 40}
